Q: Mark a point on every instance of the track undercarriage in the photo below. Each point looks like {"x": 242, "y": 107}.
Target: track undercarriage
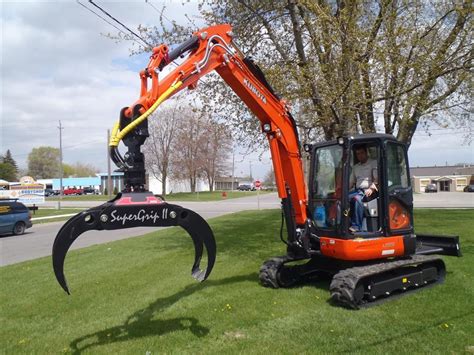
{"x": 355, "y": 285}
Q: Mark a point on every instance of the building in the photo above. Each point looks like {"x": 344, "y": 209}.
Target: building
{"x": 117, "y": 181}
{"x": 98, "y": 182}
{"x": 225, "y": 183}
{"x": 446, "y": 178}
{"x": 173, "y": 186}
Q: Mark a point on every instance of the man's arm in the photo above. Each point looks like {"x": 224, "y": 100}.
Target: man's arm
{"x": 373, "y": 186}
{"x": 352, "y": 179}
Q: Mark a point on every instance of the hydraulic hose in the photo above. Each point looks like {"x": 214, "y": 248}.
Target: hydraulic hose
{"x": 117, "y": 134}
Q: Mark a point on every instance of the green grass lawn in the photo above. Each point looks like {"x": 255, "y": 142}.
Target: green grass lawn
{"x": 181, "y": 196}
{"x": 136, "y": 296}
{"x": 48, "y": 212}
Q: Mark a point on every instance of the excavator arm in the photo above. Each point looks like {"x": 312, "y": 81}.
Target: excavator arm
{"x": 210, "y": 49}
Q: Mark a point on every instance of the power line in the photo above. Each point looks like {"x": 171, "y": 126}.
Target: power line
{"x": 158, "y": 11}
{"x": 105, "y": 20}
{"x": 120, "y": 23}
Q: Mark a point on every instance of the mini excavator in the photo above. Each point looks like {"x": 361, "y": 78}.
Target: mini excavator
{"x": 383, "y": 259}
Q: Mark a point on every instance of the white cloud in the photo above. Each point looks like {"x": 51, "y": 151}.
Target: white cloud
{"x": 56, "y": 65}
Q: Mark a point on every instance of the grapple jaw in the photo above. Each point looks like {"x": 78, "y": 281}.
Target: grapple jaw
{"x": 137, "y": 209}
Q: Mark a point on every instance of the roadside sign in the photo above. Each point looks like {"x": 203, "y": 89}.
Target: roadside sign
{"x": 258, "y": 184}
{"x": 32, "y": 194}
{"x": 28, "y": 192}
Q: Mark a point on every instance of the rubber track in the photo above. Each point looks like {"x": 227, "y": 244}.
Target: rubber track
{"x": 344, "y": 283}
{"x": 269, "y": 270}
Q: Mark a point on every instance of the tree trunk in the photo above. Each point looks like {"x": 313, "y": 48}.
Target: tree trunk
{"x": 163, "y": 184}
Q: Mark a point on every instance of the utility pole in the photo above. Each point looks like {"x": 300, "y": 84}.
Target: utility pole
{"x": 250, "y": 163}
{"x": 60, "y": 164}
{"x": 109, "y": 171}
{"x": 233, "y": 166}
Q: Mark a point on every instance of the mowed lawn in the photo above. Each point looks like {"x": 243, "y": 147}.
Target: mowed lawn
{"x": 137, "y": 296}
{"x": 181, "y": 196}
{"x": 51, "y": 212}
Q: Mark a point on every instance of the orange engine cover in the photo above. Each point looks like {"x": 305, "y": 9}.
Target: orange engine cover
{"x": 362, "y": 249}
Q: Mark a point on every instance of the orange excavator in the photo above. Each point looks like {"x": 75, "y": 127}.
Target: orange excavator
{"x": 382, "y": 258}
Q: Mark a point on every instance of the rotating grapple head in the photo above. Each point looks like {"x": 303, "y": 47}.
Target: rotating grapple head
{"x": 138, "y": 209}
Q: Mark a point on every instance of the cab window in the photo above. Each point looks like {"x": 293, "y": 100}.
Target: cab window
{"x": 327, "y": 186}
{"x": 397, "y": 176}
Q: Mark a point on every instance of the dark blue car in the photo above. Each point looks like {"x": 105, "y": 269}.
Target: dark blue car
{"x": 15, "y": 217}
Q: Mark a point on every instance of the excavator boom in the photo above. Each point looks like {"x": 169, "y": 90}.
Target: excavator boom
{"x": 210, "y": 49}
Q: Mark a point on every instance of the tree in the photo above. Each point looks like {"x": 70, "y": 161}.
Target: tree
{"x": 12, "y": 174}
{"x": 161, "y": 142}
{"x": 187, "y": 157}
{"x": 84, "y": 170}
{"x": 43, "y": 162}
{"x": 7, "y": 172}
{"x": 342, "y": 62}
{"x": 79, "y": 170}
{"x": 8, "y": 159}
{"x": 68, "y": 170}
{"x": 215, "y": 151}
{"x": 269, "y": 179}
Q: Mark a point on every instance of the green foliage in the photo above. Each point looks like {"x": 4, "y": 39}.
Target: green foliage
{"x": 79, "y": 170}
{"x": 136, "y": 295}
{"x": 7, "y": 172}
{"x": 115, "y": 190}
{"x": 343, "y": 63}
{"x": 68, "y": 170}
{"x": 84, "y": 170}
{"x": 43, "y": 163}
{"x": 49, "y": 212}
{"x": 9, "y": 167}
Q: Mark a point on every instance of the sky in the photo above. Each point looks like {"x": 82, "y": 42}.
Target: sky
{"x": 56, "y": 64}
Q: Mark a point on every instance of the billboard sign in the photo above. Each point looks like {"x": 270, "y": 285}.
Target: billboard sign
{"x": 27, "y": 192}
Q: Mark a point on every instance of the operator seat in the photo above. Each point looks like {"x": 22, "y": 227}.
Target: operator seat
{"x": 371, "y": 213}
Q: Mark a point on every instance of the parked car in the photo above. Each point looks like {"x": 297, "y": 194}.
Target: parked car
{"x": 245, "y": 187}
{"x": 90, "y": 191}
{"x": 72, "y": 191}
{"x": 15, "y": 217}
{"x": 431, "y": 188}
{"x": 469, "y": 188}
{"x": 49, "y": 192}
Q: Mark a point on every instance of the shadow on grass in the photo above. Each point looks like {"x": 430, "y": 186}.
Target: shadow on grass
{"x": 140, "y": 324}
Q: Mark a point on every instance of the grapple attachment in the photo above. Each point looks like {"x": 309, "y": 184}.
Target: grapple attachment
{"x": 137, "y": 209}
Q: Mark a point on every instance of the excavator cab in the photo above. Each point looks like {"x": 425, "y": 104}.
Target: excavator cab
{"x": 389, "y": 208}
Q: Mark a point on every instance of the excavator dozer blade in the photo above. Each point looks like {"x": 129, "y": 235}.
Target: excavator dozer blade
{"x": 136, "y": 210}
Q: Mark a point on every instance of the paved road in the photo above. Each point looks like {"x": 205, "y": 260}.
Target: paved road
{"x": 38, "y": 240}
{"x": 444, "y": 200}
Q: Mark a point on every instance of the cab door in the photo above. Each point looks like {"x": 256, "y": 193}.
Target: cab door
{"x": 399, "y": 195}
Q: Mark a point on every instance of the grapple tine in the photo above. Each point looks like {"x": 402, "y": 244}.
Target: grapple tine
{"x": 136, "y": 210}
{"x": 201, "y": 234}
